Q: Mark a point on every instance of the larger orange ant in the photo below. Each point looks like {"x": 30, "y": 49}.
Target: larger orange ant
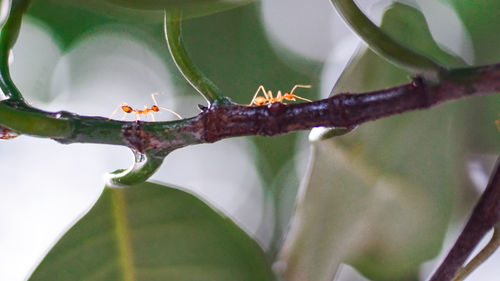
{"x": 268, "y": 96}
{"x": 155, "y": 108}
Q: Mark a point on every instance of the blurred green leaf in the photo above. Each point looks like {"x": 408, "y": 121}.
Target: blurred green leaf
{"x": 153, "y": 232}
{"x": 408, "y": 26}
{"x": 71, "y": 18}
{"x": 380, "y": 197}
{"x": 482, "y": 21}
{"x": 481, "y": 134}
{"x": 191, "y": 8}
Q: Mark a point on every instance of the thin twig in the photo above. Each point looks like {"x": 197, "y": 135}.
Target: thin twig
{"x": 481, "y": 257}
{"x": 485, "y": 215}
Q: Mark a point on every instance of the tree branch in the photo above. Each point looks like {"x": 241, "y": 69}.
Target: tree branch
{"x": 223, "y": 121}
{"x": 484, "y": 217}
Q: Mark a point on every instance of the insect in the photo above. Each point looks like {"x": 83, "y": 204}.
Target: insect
{"x": 268, "y": 96}
{"x": 6, "y": 134}
{"x": 146, "y": 111}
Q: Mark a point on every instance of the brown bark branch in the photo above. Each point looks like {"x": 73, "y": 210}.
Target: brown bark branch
{"x": 485, "y": 215}
{"x": 224, "y": 121}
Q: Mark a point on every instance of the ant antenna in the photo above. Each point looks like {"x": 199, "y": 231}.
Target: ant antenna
{"x": 300, "y": 86}
{"x": 164, "y": 108}
{"x": 116, "y": 110}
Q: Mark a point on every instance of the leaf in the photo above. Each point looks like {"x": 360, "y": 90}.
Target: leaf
{"x": 380, "y": 197}
{"x": 152, "y": 232}
{"x": 191, "y": 8}
{"x": 482, "y": 22}
{"x": 69, "y": 19}
{"x": 408, "y": 26}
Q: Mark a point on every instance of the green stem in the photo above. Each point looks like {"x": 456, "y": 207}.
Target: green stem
{"x": 8, "y": 37}
{"x": 481, "y": 257}
{"x": 191, "y": 73}
{"x": 144, "y": 167}
{"x": 34, "y": 122}
{"x": 382, "y": 44}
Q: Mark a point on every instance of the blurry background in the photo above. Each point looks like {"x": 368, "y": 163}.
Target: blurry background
{"x": 85, "y": 59}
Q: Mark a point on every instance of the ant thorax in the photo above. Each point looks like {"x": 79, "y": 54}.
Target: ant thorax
{"x": 146, "y": 111}
{"x": 268, "y": 97}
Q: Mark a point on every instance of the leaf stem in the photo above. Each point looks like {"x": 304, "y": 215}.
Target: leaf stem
{"x": 33, "y": 122}
{"x": 191, "y": 73}
{"x": 384, "y": 45}
{"x": 144, "y": 167}
{"x": 481, "y": 257}
{"x": 8, "y": 36}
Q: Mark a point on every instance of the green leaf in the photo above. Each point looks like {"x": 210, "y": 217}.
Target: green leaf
{"x": 152, "y": 232}
{"x": 190, "y": 8}
{"x": 482, "y": 21}
{"x": 65, "y": 16}
{"x": 380, "y": 197}
{"x": 408, "y": 26}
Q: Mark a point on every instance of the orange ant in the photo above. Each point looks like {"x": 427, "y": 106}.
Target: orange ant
{"x": 155, "y": 108}
{"x": 6, "y": 134}
{"x": 268, "y": 96}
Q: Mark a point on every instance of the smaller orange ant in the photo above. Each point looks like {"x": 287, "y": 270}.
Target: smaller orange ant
{"x": 268, "y": 96}
{"x": 6, "y": 134}
{"x": 155, "y": 108}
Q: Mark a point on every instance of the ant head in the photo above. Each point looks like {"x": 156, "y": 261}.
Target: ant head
{"x": 260, "y": 101}
{"x": 127, "y": 108}
{"x": 155, "y": 108}
{"x": 288, "y": 96}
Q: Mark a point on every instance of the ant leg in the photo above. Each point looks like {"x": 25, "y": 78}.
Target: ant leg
{"x": 279, "y": 97}
{"x": 116, "y": 110}
{"x": 261, "y": 88}
{"x": 269, "y": 97}
{"x": 301, "y": 98}
{"x": 152, "y": 116}
{"x": 124, "y": 115}
{"x": 300, "y": 86}
{"x": 153, "y": 97}
{"x": 171, "y": 111}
